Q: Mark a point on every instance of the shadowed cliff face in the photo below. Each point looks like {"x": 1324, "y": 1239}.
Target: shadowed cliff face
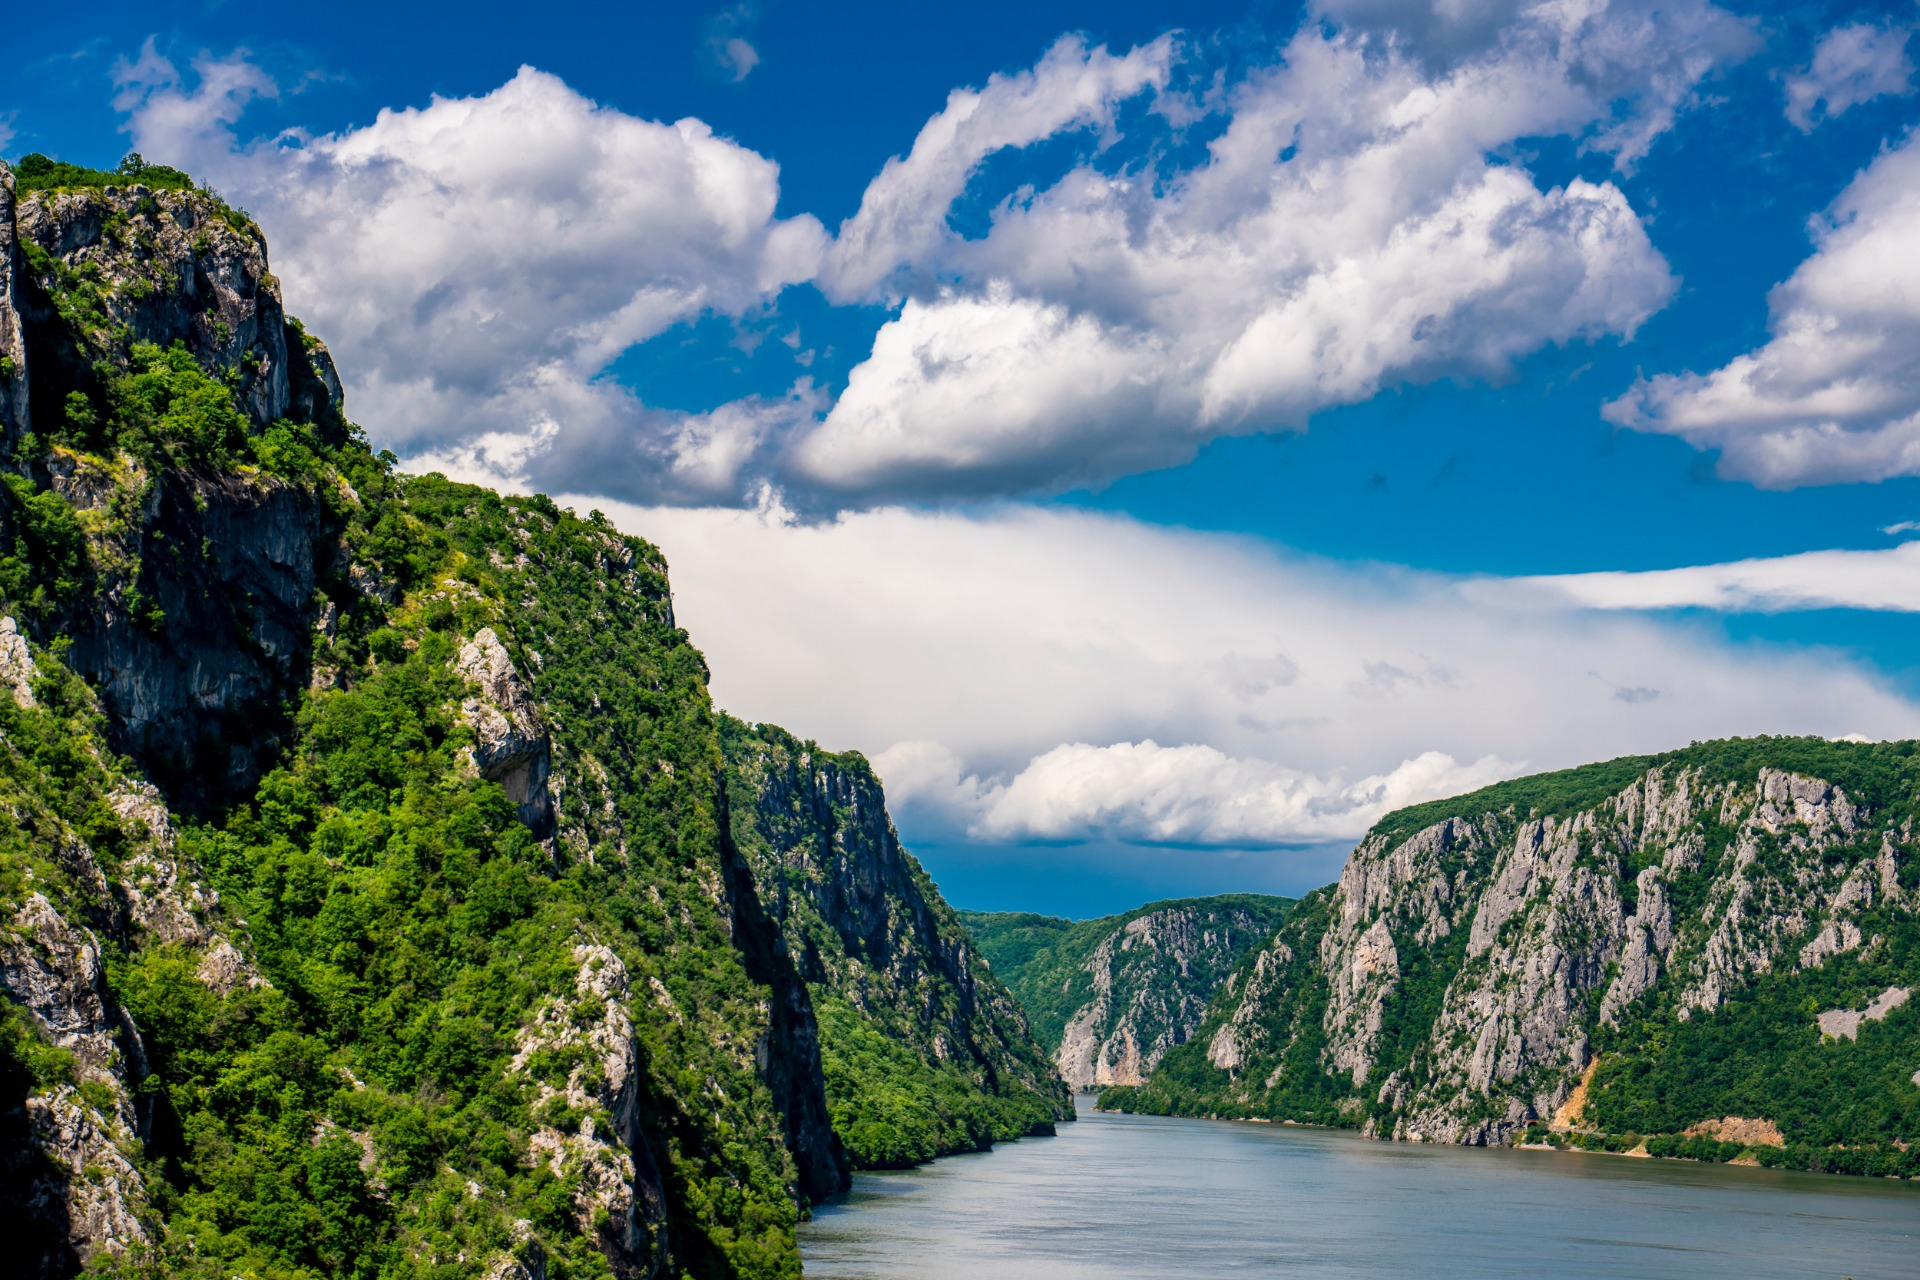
{"x": 13, "y": 338}
{"x": 195, "y": 624}
{"x": 1467, "y": 974}
{"x": 460, "y": 892}
{"x": 925, "y": 1052}
{"x": 163, "y": 267}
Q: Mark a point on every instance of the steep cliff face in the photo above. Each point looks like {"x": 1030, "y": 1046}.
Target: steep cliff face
{"x": 925, "y": 1052}
{"x": 432, "y": 946}
{"x": 13, "y": 337}
{"x": 153, "y": 313}
{"x": 90, "y": 871}
{"x": 1110, "y": 996}
{"x": 1480, "y": 959}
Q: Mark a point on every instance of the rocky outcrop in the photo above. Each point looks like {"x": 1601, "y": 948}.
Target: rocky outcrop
{"x": 1844, "y": 1024}
{"x": 70, "y": 1140}
{"x": 1110, "y": 996}
{"x": 1741, "y": 1130}
{"x": 17, "y": 669}
{"x": 1463, "y": 971}
{"x": 510, "y": 742}
{"x": 13, "y": 337}
{"x": 603, "y": 1155}
{"x": 196, "y": 624}
{"x": 1152, "y": 978}
{"x": 167, "y": 266}
{"x": 80, "y": 1130}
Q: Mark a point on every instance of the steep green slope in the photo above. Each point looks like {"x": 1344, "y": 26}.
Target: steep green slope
{"x": 1641, "y": 950}
{"x": 434, "y": 955}
{"x": 1109, "y": 996}
{"x": 925, "y": 1052}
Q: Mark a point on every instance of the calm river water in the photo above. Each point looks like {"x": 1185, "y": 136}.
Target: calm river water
{"x": 1132, "y": 1196}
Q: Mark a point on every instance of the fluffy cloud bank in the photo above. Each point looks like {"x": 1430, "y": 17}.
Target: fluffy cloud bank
{"x": 1146, "y": 793}
{"x": 1348, "y": 229}
{"x": 1357, "y": 220}
{"x": 1048, "y": 675}
{"x": 1834, "y": 396}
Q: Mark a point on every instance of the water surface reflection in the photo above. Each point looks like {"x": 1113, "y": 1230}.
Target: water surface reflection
{"x": 1137, "y": 1196}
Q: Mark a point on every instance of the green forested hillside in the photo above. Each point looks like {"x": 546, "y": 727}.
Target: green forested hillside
{"x": 370, "y": 897}
{"x": 1663, "y": 933}
{"x": 925, "y": 1052}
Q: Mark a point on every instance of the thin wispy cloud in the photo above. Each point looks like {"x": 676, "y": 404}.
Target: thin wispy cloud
{"x": 1886, "y": 580}
{"x": 727, "y": 47}
{"x": 1851, "y": 65}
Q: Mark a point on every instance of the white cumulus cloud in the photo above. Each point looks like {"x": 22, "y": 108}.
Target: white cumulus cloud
{"x": 1851, "y": 65}
{"x": 1145, "y": 793}
{"x": 1350, "y": 228}
{"x": 902, "y": 218}
{"x": 1357, "y": 221}
{"x": 478, "y": 263}
{"x": 1834, "y": 395}
{"x": 1010, "y": 667}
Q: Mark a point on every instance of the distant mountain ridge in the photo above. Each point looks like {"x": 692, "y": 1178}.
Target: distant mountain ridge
{"x": 1108, "y": 997}
{"x": 1707, "y": 952}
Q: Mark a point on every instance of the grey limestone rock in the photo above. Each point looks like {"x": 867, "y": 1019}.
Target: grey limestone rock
{"x": 176, "y": 270}
{"x": 1151, "y": 979}
{"x": 1570, "y": 922}
{"x": 617, "y": 1196}
{"x": 53, "y": 970}
{"x": 13, "y": 338}
{"x": 17, "y": 669}
{"x": 511, "y": 745}
{"x": 1844, "y": 1024}
{"x": 206, "y": 557}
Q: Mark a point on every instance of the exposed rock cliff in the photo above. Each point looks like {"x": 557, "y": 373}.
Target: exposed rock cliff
{"x": 192, "y": 615}
{"x": 925, "y": 1052}
{"x": 510, "y": 742}
{"x": 1476, "y": 955}
{"x": 13, "y": 337}
{"x": 73, "y": 1111}
{"x": 1111, "y": 996}
{"x": 459, "y": 960}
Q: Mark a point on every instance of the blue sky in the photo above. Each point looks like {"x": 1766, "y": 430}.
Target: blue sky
{"x": 1162, "y": 438}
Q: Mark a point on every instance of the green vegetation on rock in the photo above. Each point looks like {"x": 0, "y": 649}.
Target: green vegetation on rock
{"x": 437, "y": 950}
{"x": 36, "y": 172}
{"x": 1048, "y": 961}
{"x": 925, "y": 1052}
{"x": 1665, "y": 930}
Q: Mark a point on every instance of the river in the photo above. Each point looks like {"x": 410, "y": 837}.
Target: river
{"x": 1117, "y": 1197}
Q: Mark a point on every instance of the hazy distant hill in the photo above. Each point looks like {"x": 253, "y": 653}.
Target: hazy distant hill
{"x": 1109, "y": 997}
